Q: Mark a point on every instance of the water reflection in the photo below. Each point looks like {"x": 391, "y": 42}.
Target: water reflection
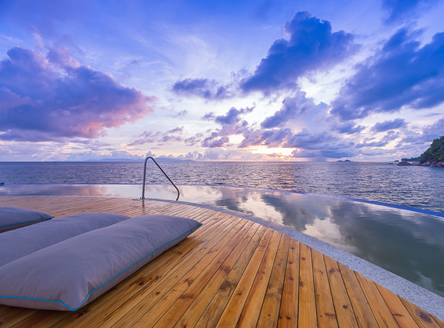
{"x": 406, "y": 243}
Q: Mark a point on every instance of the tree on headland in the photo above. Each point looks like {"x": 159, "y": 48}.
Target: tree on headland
{"x": 435, "y": 151}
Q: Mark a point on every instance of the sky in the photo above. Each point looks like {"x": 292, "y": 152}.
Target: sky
{"x": 252, "y": 80}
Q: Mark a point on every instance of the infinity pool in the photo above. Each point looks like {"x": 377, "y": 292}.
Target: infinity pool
{"x": 407, "y": 242}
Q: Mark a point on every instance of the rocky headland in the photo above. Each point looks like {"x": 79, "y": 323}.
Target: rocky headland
{"x": 434, "y": 156}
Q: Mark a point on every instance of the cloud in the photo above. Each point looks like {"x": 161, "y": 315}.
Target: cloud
{"x": 173, "y": 135}
{"x": 180, "y": 114}
{"x": 390, "y": 136}
{"x": 401, "y": 74}
{"x": 389, "y": 125}
{"x": 203, "y": 88}
{"x": 208, "y": 117}
{"x": 231, "y": 125}
{"x": 347, "y": 127}
{"x": 399, "y": 10}
{"x": 232, "y": 117}
{"x": 53, "y": 97}
{"x": 311, "y": 47}
{"x": 425, "y": 137}
{"x": 213, "y": 141}
{"x": 291, "y": 109}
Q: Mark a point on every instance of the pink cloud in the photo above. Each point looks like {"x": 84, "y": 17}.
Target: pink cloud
{"x": 53, "y": 97}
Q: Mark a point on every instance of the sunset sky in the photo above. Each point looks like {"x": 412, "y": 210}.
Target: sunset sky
{"x": 220, "y": 80}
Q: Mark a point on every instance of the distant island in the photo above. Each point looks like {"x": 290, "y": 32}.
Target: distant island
{"x": 434, "y": 156}
{"x": 346, "y": 161}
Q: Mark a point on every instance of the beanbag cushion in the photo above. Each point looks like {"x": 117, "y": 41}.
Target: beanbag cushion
{"x": 71, "y": 273}
{"x": 14, "y": 218}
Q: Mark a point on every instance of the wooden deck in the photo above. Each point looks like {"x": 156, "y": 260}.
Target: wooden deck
{"x": 230, "y": 272}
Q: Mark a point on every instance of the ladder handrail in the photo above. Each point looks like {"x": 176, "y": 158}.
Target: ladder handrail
{"x": 144, "y": 178}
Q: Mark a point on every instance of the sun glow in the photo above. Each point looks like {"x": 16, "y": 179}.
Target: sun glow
{"x": 265, "y": 150}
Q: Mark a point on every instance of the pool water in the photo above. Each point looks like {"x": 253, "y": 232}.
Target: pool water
{"x": 407, "y": 242}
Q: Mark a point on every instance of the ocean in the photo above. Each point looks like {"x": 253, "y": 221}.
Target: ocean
{"x": 414, "y": 186}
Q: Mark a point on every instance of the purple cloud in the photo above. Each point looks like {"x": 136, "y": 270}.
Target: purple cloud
{"x": 292, "y": 107}
{"x": 208, "y": 117}
{"x": 231, "y": 125}
{"x": 232, "y": 117}
{"x": 390, "y": 136}
{"x": 401, "y": 74}
{"x": 312, "y": 46}
{"x": 213, "y": 142}
{"x": 53, "y": 97}
{"x": 180, "y": 114}
{"x": 204, "y": 88}
{"x": 347, "y": 127}
{"x": 399, "y": 10}
{"x": 159, "y": 137}
{"x": 389, "y": 125}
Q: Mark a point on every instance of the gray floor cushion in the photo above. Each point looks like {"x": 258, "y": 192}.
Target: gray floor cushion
{"x": 18, "y": 243}
{"x": 13, "y": 218}
{"x": 71, "y": 273}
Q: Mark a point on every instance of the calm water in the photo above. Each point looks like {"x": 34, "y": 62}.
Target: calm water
{"x": 419, "y": 187}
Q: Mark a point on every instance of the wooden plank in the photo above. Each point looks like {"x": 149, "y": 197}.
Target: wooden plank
{"x": 232, "y": 312}
{"x": 380, "y": 309}
{"x": 216, "y": 306}
{"x": 270, "y": 309}
{"x": 33, "y": 319}
{"x": 252, "y": 308}
{"x": 324, "y": 302}
{"x": 307, "y": 300}
{"x": 129, "y": 313}
{"x": 192, "y": 314}
{"x": 422, "y": 318}
{"x": 167, "y": 311}
{"x": 203, "y": 288}
{"x": 361, "y": 308}
{"x": 288, "y": 314}
{"x": 14, "y": 315}
{"x": 399, "y": 311}
{"x": 341, "y": 300}
{"x": 439, "y": 322}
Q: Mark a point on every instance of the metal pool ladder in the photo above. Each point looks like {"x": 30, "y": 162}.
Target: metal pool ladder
{"x": 144, "y": 178}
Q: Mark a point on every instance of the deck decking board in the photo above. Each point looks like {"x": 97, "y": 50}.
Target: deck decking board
{"x": 202, "y": 299}
{"x": 187, "y": 289}
{"x": 233, "y": 310}
{"x": 361, "y": 308}
{"x": 380, "y": 309}
{"x": 307, "y": 300}
{"x": 252, "y": 307}
{"x": 216, "y": 306}
{"x": 399, "y": 311}
{"x": 269, "y": 315}
{"x": 341, "y": 300}
{"x": 325, "y": 308}
{"x": 230, "y": 271}
{"x": 422, "y": 318}
{"x": 209, "y": 278}
{"x": 288, "y": 313}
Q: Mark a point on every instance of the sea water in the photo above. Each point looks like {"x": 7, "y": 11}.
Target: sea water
{"x": 413, "y": 186}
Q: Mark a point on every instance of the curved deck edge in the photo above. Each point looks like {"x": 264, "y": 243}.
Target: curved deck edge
{"x": 423, "y": 298}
